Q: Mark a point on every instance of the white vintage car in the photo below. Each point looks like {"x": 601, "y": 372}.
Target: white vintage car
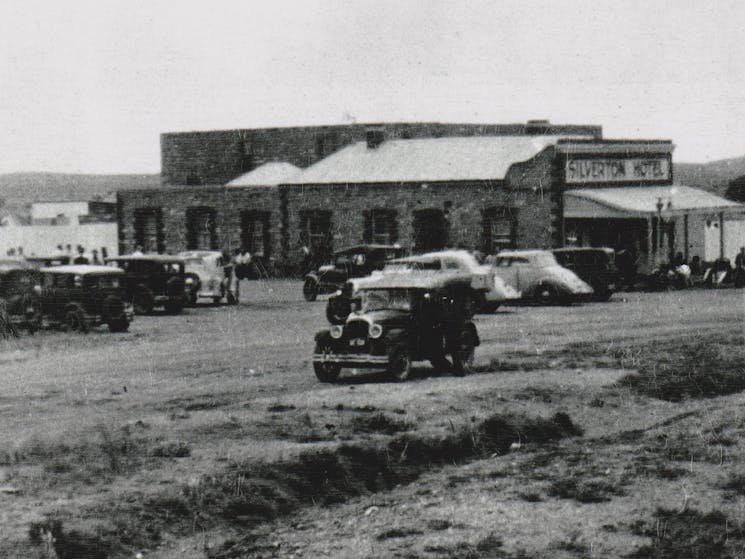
{"x": 490, "y": 289}
{"x": 206, "y": 277}
{"x": 538, "y": 276}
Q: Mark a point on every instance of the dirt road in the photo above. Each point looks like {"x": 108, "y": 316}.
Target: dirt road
{"x": 208, "y": 376}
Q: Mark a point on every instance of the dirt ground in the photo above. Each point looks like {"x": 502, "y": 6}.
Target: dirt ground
{"x": 95, "y": 426}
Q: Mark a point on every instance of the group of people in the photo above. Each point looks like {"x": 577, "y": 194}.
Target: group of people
{"x": 81, "y": 256}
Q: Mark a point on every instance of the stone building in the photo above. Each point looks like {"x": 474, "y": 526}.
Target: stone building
{"x": 426, "y": 187}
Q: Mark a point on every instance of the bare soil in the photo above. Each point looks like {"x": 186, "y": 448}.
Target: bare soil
{"x": 207, "y": 435}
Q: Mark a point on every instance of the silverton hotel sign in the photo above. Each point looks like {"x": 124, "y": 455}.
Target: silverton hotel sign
{"x": 617, "y": 170}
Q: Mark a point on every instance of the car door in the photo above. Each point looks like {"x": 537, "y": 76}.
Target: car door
{"x": 525, "y": 274}
{"x": 504, "y": 269}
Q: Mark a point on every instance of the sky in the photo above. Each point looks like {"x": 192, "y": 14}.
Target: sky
{"x": 89, "y": 86}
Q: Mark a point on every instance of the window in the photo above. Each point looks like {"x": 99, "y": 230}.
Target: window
{"x": 381, "y": 227}
{"x": 315, "y": 233}
{"x": 500, "y": 229}
{"x": 149, "y": 229}
{"x": 201, "y": 228}
{"x": 430, "y": 230}
{"x": 255, "y": 233}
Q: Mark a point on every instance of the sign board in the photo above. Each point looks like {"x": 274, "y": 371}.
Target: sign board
{"x": 617, "y": 170}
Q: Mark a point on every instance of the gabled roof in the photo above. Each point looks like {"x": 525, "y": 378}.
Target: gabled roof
{"x": 428, "y": 159}
{"x": 268, "y": 174}
{"x": 644, "y": 199}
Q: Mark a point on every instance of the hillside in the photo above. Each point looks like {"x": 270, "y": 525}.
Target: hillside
{"x": 20, "y": 189}
{"x": 713, "y": 176}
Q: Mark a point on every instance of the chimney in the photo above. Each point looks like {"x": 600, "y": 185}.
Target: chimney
{"x": 374, "y": 135}
{"x": 537, "y": 127}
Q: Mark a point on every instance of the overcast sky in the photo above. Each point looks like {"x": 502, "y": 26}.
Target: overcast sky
{"x": 89, "y": 86}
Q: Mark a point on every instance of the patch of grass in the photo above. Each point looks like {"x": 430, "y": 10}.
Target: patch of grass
{"x": 176, "y": 449}
{"x": 378, "y": 423}
{"x": 696, "y": 370}
{"x": 251, "y": 493}
{"x": 584, "y": 491}
{"x": 398, "y": 533}
{"x": 688, "y": 535}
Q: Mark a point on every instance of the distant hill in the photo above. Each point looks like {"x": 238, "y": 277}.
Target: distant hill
{"x": 713, "y": 176}
{"x": 20, "y": 189}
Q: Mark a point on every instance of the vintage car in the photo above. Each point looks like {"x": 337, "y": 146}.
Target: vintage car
{"x": 352, "y": 262}
{"x": 208, "y": 276}
{"x": 80, "y": 296}
{"x": 595, "y": 266}
{"x": 537, "y": 275}
{"x": 153, "y": 280}
{"x": 49, "y": 260}
{"x": 401, "y": 318}
{"x": 19, "y": 283}
{"x": 488, "y": 290}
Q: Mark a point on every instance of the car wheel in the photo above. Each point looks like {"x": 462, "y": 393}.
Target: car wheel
{"x": 232, "y": 299}
{"x": 326, "y": 372}
{"x": 546, "y": 294}
{"x": 75, "y": 320}
{"x": 119, "y": 325}
{"x": 143, "y": 302}
{"x": 115, "y": 315}
{"x": 174, "y": 307}
{"x": 399, "y": 363}
{"x": 32, "y": 314}
{"x": 216, "y": 301}
{"x": 310, "y": 289}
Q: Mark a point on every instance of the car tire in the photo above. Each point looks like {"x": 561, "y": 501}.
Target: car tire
{"x": 75, "y": 320}
{"x": 326, "y": 372}
{"x": 231, "y": 298}
{"x": 216, "y": 301}
{"x": 143, "y": 302}
{"x": 399, "y": 363}
{"x": 546, "y": 294}
{"x": 174, "y": 307}
{"x": 310, "y": 289}
{"x": 114, "y": 314}
{"x": 32, "y": 314}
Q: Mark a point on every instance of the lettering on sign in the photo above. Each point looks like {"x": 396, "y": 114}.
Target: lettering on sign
{"x": 617, "y": 170}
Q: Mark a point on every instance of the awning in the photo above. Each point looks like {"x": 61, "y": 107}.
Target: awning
{"x": 641, "y": 202}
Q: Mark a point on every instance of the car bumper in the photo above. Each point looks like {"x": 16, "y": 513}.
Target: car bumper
{"x": 351, "y": 360}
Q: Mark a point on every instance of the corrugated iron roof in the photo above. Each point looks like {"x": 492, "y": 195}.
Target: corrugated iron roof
{"x": 428, "y": 159}
{"x": 268, "y": 174}
{"x": 644, "y": 199}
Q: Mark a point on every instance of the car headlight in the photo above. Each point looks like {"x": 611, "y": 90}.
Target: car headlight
{"x": 189, "y": 281}
{"x": 375, "y": 331}
{"x": 336, "y": 331}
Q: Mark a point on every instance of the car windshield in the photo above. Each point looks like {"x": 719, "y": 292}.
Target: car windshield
{"x": 379, "y": 299}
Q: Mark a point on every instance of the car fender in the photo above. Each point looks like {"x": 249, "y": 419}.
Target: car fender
{"x": 471, "y": 328}
{"x": 313, "y": 277}
{"x": 560, "y": 286}
{"x": 322, "y": 335}
{"x": 396, "y": 335}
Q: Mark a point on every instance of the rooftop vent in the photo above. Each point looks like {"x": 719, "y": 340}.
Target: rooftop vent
{"x": 374, "y": 135}
{"x": 537, "y": 127}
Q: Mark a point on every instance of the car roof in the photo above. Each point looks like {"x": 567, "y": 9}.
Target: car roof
{"x": 83, "y": 269}
{"x": 606, "y": 250}
{"x": 510, "y": 253}
{"x": 148, "y": 257}
{"x": 198, "y": 253}
{"x": 416, "y": 280}
{"x": 365, "y": 248}
{"x": 7, "y": 264}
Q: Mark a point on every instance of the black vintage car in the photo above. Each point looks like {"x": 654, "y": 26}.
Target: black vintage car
{"x": 153, "y": 280}
{"x": 401, "y": 318}
{"x": 19, "y": 284}
{"x": 81, "y": 296}
{"x": 50, "y": 260}
{"x": 595, "y": 266}
{"x": 352, "y": 262}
